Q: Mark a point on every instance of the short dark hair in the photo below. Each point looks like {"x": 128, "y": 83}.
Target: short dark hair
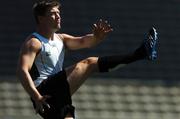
{"x": 41, "y": 6}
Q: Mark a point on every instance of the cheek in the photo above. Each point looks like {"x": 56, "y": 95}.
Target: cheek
{"x": 50, "y": 21}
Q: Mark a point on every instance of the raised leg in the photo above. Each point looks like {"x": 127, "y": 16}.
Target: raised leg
{"x": 78, "y": 73}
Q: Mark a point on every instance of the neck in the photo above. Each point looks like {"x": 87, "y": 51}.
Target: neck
{"x": 45, "y": 32}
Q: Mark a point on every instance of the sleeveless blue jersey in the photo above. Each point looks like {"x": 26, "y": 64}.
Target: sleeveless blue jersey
{"x": 50, "y": 58}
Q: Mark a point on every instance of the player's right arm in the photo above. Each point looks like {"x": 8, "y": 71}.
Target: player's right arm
{"x": 28, "y": 52}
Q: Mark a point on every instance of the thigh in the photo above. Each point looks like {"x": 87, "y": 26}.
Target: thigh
{"x": 79, "y": 72}
{"x": 57, "y": 87}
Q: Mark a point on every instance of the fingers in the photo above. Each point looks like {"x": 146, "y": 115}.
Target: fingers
{"x": 45, "y": 97}
{"x": 99, "y": 23}
{"x": 94, "y": 27}
{"x": 41, "y": 105}
{"x": 39, "y": 108}
{"x": 46, "y": 104}
{"x": 102, "y": 25}
{"x": 101, "y": 29}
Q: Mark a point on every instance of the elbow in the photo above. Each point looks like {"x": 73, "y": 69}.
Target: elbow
{"x": 19, "y": 73}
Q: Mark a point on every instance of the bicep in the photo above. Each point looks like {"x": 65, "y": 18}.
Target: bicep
{"x": 26, "y": 60}
{"x": 73, "y": 42}
{"x": 24, "y": 65}
{"x": 27, "y": 55}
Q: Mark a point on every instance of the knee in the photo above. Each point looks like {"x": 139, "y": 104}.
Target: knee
{"x": 91, "y": 61}
{"x": 87, "y": 64}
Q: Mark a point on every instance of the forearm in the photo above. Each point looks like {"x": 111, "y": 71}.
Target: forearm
{"x": 90, "y": 40}
{"x": 86, "y": 41}
{"x": 28, "y": 84}
{"x": 74, "y": 43}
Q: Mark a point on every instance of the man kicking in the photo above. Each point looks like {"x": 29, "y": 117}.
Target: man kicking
{"x": 40, "y": 65}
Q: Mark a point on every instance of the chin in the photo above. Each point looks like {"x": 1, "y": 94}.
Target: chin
{"x": 57, "y": 28}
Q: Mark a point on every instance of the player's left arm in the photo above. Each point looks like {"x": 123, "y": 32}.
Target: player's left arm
{"x": 100, "y": 30}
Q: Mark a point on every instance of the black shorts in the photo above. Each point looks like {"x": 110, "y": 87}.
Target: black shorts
{"x": 57, "y": 87}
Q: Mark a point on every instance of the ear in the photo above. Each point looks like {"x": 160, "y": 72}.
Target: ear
{"x": 40, "y": 18}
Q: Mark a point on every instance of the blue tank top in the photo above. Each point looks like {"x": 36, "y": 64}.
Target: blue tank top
{"x": 50, "y": 58}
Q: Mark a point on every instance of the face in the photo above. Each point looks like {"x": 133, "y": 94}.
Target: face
{"x": 52, "y": 18}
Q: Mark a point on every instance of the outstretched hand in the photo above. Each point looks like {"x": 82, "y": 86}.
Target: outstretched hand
{"x": 101, "y": 29}
{"x": 41, "y": 103}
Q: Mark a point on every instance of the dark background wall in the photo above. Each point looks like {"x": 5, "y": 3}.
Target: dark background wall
{"x": 130, "y": 20}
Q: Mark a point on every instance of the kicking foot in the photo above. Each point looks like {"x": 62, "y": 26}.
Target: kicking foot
{"x": 150, "y": 44}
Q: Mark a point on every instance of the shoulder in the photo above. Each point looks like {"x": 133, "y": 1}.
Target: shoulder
{"x": 31, "y": 44}
{"x": 60, "y": 36}
{"x": 64, "y": 36}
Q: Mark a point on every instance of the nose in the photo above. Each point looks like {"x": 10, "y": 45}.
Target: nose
{"x": 58, "y": 16}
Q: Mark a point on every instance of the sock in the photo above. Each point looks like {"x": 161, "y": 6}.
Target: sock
{"x": 109, "y": 63}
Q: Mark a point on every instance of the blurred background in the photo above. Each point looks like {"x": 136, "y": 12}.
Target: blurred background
{"x": 141, "y": 90}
